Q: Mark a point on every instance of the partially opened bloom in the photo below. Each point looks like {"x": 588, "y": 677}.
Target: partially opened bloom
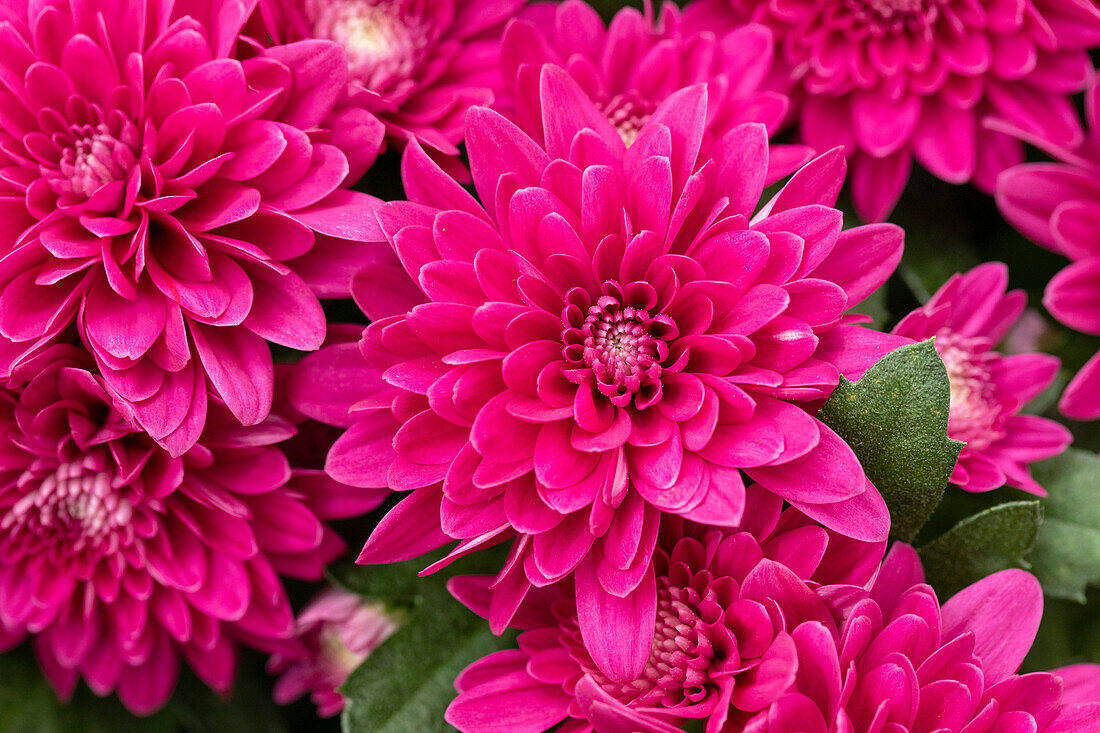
{"x": 746, "y": 644}
{"x": 722, "y": 648}
{"x": 630, "y": 66}
{"x": 1058, "y": 206}
{"x": 337, "y": 631}
{"x": 894, "y": 80}
{"x": 171, "y": 201}
{"x": 607, "y": 340}
{"x": 968, "y": 317}
{"x": 120, "y": 558}
{"x": 416, "y": 65}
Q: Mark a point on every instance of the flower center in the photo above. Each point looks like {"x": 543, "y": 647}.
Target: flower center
{"x": 628, "y": 113}
{"x": 976, "y": 414}
{"x": 76, "y": 505}
{"x": 384, "y": 41}
{"x": 622, "y": 346}
{"x": 885, "y": 17}
{"x": 682, "y": 656}
{"x": 94, "y": 158}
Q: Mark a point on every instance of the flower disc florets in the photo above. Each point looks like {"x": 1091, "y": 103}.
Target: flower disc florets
{"x": 622, "y": 346}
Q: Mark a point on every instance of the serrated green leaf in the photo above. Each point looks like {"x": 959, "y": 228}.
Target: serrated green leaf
{"x": 407, "y": 683}
{"x": 991, "y": 540}
{"x": 895, "y": 419}
{"x": 1066, "y": 558}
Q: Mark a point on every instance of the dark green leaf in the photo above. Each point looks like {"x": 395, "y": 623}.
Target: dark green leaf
{"x": 406, "y": 684}
{"x": 29, "y": 705}
{"x": 1066, "y": 557}
{"x": 895, "y": 419}
{"x": 984, "y": 543}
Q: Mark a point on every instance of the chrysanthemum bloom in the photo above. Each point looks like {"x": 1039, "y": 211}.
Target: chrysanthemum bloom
{"x": 120, "y": 558}
{"x": 1058, "y": 206}
{"x": 338, "y": 630}
{"x": 722, "y": 648}
{"x": 969, "y": 316}
{"x": 894, "y": 80}
{"x": 903, "y": 664}
{"x": 609, "y": 339}
{"x": 629, "y": 67}
{"x": 416, "y": 65}
{"x": 850, "y": 660}
{"x": 175, "y": 203}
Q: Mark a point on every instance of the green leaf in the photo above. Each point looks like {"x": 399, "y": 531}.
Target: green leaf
{"x": 895, "y": 419}
{"x": 1066, "y": 557}
{"x": 29, "y": 705}
{"x": 979, "y": 545}
{"x": 407, "y": 683}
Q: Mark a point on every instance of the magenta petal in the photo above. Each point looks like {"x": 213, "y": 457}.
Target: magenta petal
{"x": 566, "y": 110}
{"x": 239, "y": 366}
{"x": 1003, "y": 612}
{"x": 509, "y": 700}
{"x": 1073, "y": 296}
{"x": 862, "y": 517}
{"x": 618, "y": 632}
{"x": 285, "y": 311}
{"x": 498, "y": 147}
{"x": 124, "y": 328}
{"x": 362, "y": 455}
{"x": 611, "y": 716}
{"x": 829, "y": 473}
{"x": 325, "y": 385}
{"x": 409, "y": 530}
{"x": 1081, "y": 400}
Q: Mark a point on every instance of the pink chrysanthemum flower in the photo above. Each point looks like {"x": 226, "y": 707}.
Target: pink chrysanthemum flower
{"x": 889, "y": 659}
{"x": 894, "y": 80}
{"x": 175, "y": 203}
{"x": 417, "y": 65}
{"x": 608, "y": 340}
{"x": 337, "y": 630}
{"x": 969, "y": 316}
{"x": 722, "y": 648}
{"x": 896, "y": 661}
{"x": 1058, "y": 206}
{"x": 629, "y": 67}
{"x": 120, "y": 558}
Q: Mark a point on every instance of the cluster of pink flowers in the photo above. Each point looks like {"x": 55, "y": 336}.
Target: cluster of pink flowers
{"x": 596, "y": 338}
